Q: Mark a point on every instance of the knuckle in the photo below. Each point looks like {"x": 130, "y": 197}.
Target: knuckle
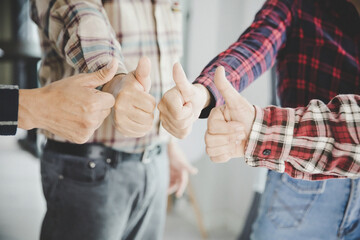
{"x": 81, "y": 139}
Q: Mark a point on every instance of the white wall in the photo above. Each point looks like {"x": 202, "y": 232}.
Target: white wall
{"x": 224, "y": 191}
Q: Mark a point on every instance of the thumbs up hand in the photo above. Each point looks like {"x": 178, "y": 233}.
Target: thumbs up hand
{"x": 134, "y": 108}
{"x": 229, "y": 126}
{"x": 181, "y": 106}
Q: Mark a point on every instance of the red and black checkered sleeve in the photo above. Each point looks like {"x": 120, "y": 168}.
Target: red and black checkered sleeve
{"x": 316, "y": 142}
{"x": 253, "y": 53}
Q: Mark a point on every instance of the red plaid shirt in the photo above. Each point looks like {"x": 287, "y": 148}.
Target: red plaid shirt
{"x": 317, "y": 47}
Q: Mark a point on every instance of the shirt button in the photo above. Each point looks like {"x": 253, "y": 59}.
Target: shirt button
{"x": 61, "y": 177}
{"x": 108, "y": 160}
{"x": 92, "y": 164}
{"x": 266, "y": 152}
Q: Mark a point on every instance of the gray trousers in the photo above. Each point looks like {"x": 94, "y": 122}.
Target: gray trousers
{"x": 105, "y": 202}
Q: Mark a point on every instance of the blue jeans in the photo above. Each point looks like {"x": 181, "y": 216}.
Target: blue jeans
{"x": 106, "y": 202}
{"x": 292, "y": 209}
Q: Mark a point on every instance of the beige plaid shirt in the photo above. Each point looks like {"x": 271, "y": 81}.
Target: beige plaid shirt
{"x": 82, "y": 36}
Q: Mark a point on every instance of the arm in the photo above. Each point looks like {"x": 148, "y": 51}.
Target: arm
{"x": 253, "y": 53}
{"x": 79, "y": 31}
{"x": 315, "y": 142}
{"x": 244, "y": 61}
{"x": 9, "y": 98}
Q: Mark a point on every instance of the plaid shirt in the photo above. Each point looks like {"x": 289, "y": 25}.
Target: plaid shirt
{"x": 9, "y": 106}
{"x": 316, "y": 44}
{"x": 82, "y": 36}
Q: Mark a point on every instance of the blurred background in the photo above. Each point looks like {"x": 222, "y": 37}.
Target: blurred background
{"x": 219, "y": 199}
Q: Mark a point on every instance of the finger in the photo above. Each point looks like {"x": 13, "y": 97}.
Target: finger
{"x": 106, "y": 100}
{"x": 221, "y": 140}
{"x": 142, "y": 73}
{"x": 179, "y": 124}
{"x": 189, "y": 168}
{"x": 218, "y": 127}
{"x": 221, "y": 150}
{"x": 172, "y": 104}
{"x": 216, "y": 114}
{"x": 221, "y": 159}
{"x": 228, "y": 92}
{"x": 141, "y": 117}
{"x": 182, "y": 82}
{"x": 183, "y": 184}
{"x": 181, "y": 134}
{"x": 100, "y": 77}
{"x": 131, "y": 128}
{"x": 145, "y": 102}
{"x": 172, "y": 188}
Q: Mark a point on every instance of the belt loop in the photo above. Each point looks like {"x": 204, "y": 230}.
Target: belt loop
{"x": 146, "y": 158}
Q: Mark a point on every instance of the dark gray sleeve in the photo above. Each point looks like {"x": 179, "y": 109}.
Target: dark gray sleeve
{"x": 9, "y": 105}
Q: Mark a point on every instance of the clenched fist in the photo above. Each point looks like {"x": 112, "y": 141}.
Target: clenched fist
{"x": 229, "y": 126}
{"x": 134, "y": 108}
{"x": 181, "y": 106}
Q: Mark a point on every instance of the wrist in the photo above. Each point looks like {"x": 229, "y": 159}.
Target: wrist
{"x": 204, "y": 95}
{"x": 114, "y": 86}
{"x": 28, "y": 109}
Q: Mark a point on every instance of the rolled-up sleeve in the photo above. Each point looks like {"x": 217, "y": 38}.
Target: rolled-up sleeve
{"x": 79, "y": 31}
{"x": 315, "y": 142}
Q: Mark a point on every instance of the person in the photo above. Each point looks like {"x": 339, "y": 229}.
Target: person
{"x": 71, "y": 108}
{"x": 316, "y": 46}
{"x": 115, "y": 185}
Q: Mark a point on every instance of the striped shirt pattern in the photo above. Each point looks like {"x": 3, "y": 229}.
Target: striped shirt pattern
{"x": 316, "y": 44}
{"x": 9, "y": 105}
{"x": 82, "y": 36}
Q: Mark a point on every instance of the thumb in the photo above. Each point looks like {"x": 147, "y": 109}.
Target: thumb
{"x": 182, "y": 82}
{"x": 102, "y": 76}
{"x": 142, "y": 73}
{"x": 190, "y": 168}
{"x": 228, "y": 92}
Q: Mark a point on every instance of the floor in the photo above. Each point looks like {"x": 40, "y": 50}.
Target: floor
{"x": 22, "y": 205}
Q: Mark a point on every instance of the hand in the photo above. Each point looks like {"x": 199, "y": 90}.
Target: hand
{"x": 229, "y": 126}
{"x": 180, "y": 169}
{"x": 181, "y": 106}
{"x": 71, "y": 108}
{"x": 134, "y": 107}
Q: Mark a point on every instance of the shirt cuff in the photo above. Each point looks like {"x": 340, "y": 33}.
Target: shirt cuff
{"x": 9, "y": 106}
{"x": 271, "y": 138}
{"x": 215, "y": 97}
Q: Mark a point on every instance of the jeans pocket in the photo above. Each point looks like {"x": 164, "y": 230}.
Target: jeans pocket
{"x": 292, "y": 199}
{"x": 84, "y": 172}
{"x": 49, "y": 178}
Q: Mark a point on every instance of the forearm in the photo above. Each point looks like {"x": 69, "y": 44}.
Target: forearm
{"x": 254, "y": 52}
{"x": 319, "y": 141}
{"x": 80, "y": 32}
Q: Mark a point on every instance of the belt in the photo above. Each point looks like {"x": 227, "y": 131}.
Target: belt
{"x": 100, "y": 151}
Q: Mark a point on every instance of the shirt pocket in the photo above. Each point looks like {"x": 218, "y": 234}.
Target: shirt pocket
{"x": 292, "y": 200}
